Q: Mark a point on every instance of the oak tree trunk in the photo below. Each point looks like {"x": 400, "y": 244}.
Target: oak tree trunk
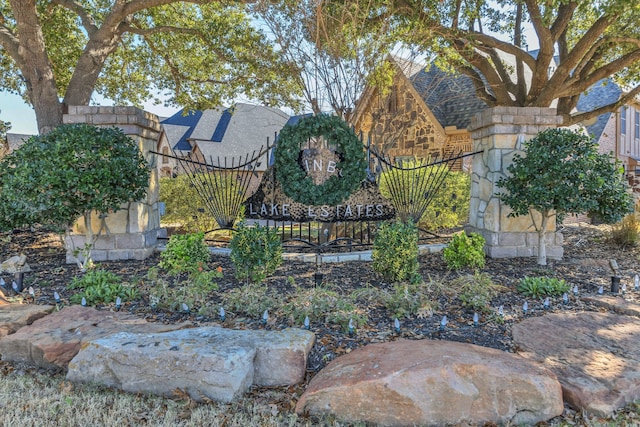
{"x": 36, "y": 67}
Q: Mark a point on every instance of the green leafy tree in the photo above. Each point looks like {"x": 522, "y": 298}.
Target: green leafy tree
{"x": 560, "y": 173}
{"x": 580, "y": 43}
{"x": 54, "y": 179}
{"x": 200, "y": 53}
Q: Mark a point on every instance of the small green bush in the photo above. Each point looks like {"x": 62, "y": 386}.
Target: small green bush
{"x": 465, "y": 251}
{"x": 256, "y": 252}
{"x": 101, "y": 287}
{"x": 185, "y": 253}
{"x": 395, "y": 252}
{"x": 475, "y": 291}
{"x": 184, "y": 206}
{"x": 449, "y": 206}
{"x": 537, "y": 287}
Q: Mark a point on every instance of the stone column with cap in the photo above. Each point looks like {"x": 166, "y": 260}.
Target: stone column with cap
{"x": 499, "y": 133}
{"x": 131, "y": 232}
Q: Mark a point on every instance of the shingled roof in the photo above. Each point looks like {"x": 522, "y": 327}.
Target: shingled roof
{"x": 450, "y": 97}
{"x": 602, "y": 93}
{"x": 179, "y": 127}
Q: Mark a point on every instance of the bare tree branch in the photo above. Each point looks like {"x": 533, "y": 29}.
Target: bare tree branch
{"x": 581, "y": 117}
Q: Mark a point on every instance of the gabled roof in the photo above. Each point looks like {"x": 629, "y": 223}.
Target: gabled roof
{"x": 179, "y": 127}
{"x": 237, "y": 131}
{"x": 224, "y": 132}
{"x": 450, "y": 97}
{"x": 602, "y": 93}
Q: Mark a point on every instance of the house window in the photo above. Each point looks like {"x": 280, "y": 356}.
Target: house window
{"x": 165, "y": 151}
{"x": 637, "y": 125}
{"x": 623, "y": 121}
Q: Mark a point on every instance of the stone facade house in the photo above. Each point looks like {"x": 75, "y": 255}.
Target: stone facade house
{"x": 424, "y": 115}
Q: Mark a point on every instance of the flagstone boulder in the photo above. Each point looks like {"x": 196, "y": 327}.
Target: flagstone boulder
{"x": 425, "y": 382}
{"x": 52, "y": 341}
{"x": 15, "y": 316}
{"x": 596, "y": 356}
{"x": 166, "y": 364}
{"x": 207, "y": 362}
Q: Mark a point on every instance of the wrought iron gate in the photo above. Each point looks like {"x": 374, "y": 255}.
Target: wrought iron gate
{"x": 224, "y": 184}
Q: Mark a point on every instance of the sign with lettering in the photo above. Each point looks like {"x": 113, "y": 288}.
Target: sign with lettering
{"x": 270, "y": 202}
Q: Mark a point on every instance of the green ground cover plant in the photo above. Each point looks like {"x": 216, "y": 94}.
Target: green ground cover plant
{"x": 542, "y": 286}
{"x": 99, "y": 286}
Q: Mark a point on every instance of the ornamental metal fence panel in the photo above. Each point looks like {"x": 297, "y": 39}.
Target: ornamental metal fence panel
{"x": 225, "y": 184}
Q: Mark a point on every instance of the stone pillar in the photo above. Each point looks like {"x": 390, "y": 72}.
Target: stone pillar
{"x": 131, "y": 232}
{"x": 499, "y": 133}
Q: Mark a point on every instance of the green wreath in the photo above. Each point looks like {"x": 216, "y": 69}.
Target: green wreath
{"x": 294, "y": 179}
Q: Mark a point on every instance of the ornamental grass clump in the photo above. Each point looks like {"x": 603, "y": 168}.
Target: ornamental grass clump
{"x": 395, "y": 252}
{"x": 475, "y": 291}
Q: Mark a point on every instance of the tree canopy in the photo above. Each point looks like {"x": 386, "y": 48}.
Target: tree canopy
{"x": 580, "y": 44}
{"x": 196, "y": 53}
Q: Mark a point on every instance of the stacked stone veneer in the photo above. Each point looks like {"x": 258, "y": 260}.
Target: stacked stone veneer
{"x": 499, "y": 133}
{"x": 131, "y": 232}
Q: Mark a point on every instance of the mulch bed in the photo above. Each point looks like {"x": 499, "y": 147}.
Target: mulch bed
{"x": 585, "y": 264}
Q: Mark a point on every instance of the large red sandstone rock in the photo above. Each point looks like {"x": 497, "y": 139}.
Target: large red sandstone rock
{"x": 428, "y": 382}
{"x": 15, "y": 316}
{"x": 52, "y": 341}
{"x": 596, "y": 356}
